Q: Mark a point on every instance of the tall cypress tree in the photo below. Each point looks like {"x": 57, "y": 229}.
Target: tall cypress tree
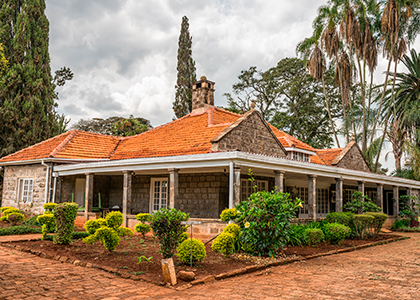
{"x": 186, "y": 72}
{"x": 27, "y": 98}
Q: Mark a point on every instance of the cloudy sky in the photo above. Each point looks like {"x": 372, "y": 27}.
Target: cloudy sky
{"x": 123, "y": 53}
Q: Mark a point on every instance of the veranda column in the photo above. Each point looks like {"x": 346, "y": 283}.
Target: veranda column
{"x": 279, "y": 180}
{"x": 88, "y": 194}
{"x": 396, "y": 198}
{"x": 339, "y": 194}
{"x": 312, "y": 197}
{"x": 173, "y": 188}
{"x": 127, "y": 184}
{"x": 236, "y": 184}
{"x": 380, "y": 196}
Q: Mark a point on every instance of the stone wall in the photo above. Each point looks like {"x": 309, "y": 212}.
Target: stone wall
{"x": 12, "y": 175}
{"x": 354, "y": 160}
{"x": 250, "y": 135}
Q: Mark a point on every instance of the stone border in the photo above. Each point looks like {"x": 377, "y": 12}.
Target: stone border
{"x": 207, "y": 279}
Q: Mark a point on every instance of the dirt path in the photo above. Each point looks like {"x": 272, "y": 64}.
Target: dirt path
{"x": 384, "y": 272}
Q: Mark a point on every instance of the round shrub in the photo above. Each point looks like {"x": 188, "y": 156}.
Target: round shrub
{"x": 124, "y": 231}
{"x": 49, "y": 206}
{"x": 198, "y": 251}
{"x": 143, "y": 217}
{"x": 2, "y": 209}
{"x": 3, "y": 218}
{"x": 313, "y": 236}
{"x": 114, "y": 219}
{"x": 184, "y": 236}
{"x": 92, "y": 225}
{"x": 65, "y": 214}
{"x": 9, "y": 211}
{"x": 15, "y": 218}
{"x": 224, "y": 244}
{"x": 362, "y": 225}
{"x": 142, "y": 228}
{"x": 378, "y": 221}
{"x": 336, "y": 233}
{"x": 48, "y": 223}
{"x": 229, "y": 214}
{"x": 343, "y": 218}
{"x": 107, "y": 236}
{"x": 233, "y": 229}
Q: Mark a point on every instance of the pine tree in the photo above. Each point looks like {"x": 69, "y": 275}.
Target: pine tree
{"x": 186, "y": 72}
{"x": 27, "y": 98}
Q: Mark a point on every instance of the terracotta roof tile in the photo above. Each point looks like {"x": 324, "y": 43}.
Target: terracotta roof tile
{"x": 289, "y": 141}
{"x": 328, "y": 155}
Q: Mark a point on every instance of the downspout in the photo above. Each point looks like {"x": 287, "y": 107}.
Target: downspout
{"x": 46, "y": 179}
{"x": 231, "y": 184}
{"x": 51, "y": 181}
{"x": 55, "y": 185}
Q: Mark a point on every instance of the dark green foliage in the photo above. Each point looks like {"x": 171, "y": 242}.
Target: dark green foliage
{"x": 142, "y": 228}
{"x": 198, "y": 251}
{"x": 408, "y": 207}
{"x": 336, "y": 233}
{"x": 229, "y": 214}
{"x": 400, "y": 223}
{"x": 344, "y": 218}
{"x": 65, "y": 214}
{"x": 105, "y": 126}
{"x": 167, "y": 228}
{"x": 377, "y": 223}
{"x": 21, "y": 229}
{"x": 361, "y": 204}
{"x": 314, "y": 236}
{"x": 224, "y": 243}
{"x": 362, "y": 224}
{"x": 75, "y": 236}
{"x": 128, "y": 127}
{"x": 32, "y": 221}
{"x": 265, "y": 221}
{"x": 48, "y": 223}
{"x": 296, "y": 235}
{"x": 106, "y": 235}
{"x": 27, "y": 106}
{"x": 114, "y": 219}
{"x": 185, "y": 72}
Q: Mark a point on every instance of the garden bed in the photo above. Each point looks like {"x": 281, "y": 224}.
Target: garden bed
{"x": 125, "y": 258}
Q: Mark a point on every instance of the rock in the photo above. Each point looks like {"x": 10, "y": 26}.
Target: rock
{"x": 186, "y": 276}
{"x": 384, "y": 230}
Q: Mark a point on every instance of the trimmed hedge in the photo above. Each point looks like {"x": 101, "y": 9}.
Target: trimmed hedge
{"x": 224, "y": 243}
{"x": 198, "y": 251}
{"x": 362, "y": 224}
{"x": 343, "y": 218}
{"x": 336, "y": 233}
{"x": 313, "y": 236}
{"x": 21, "y": 229}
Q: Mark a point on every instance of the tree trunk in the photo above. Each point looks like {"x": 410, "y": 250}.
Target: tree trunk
{"x": 329, "y": 112}
{"x": 362, "y": 87}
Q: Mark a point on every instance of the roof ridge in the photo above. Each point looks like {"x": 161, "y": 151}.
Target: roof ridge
{"x": 227, "y": 111}
{"x": 55, "y": 151}
{"x": 32, "y": 146}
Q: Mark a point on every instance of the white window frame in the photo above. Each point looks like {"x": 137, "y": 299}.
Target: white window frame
{"x": 303, "y": 196}
{"x": 300, "y": 156}
{"x": 322, "y": 202}
{"x": 152, "y": 193}
{"x": 246, "y": 184}
{"x": 21, "y": 188}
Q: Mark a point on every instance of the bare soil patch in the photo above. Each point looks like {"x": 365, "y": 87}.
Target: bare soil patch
{"x": 125, "y": 258}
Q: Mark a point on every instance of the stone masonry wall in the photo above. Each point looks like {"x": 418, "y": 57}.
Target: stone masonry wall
{"x": 354, "y": 160}
{"x": 251, "y": 135}
{"x": 12, "y": 175}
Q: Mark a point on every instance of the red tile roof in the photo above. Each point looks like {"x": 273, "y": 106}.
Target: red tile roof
{"x": 328, "y": 155}
{"x": 191, "y": 134}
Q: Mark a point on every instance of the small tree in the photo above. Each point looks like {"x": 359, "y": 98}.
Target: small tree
{"x": 361, "y": 204}
{"x": 64, "y": 214}
{"x": 166, "y": 225}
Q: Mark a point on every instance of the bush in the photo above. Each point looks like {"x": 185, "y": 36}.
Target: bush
{"x": 224, "y": 244}
{"x": 409, "y": 208}
{"x": 92, "y": 225}
{"x": 265, "y": 221}
{"x": 336, "y": 233}
{"x": 2, "y": 209}
{"x": 143, "y": 217}
{"x": 314, "y": 236}
{"x": 8, "y": 211}
{"x": 49, "y": 206}
{"x": 75, "y": 236}
{"x": 15, "y": 218}
{"x": 361, "y": 204}
{"x": 198, "y": 251}
{"x": 142, "y": 228}
{"x": 124, "y": 231}
{"x": 400, "y": 223}
{"x": 167, "y": 228}
{"x": 229, "y": 214}
{"x": 378, "y": 221}
{"x": 184, "y": 236}
{"x": 106, "y": 235}
{"x": 233, "y": 229}
{"x": 21, "y": 229}
{"x": 32, "y": 221}
{"x": 362, "y": 224}
{"x": 65, "y": 214}
{"x": 3, "y": 218}
{"x": 48, "y": 223}
{"x": 343, "y": 218}
{"x": 296, "y": 236}
{"x": 114, "y": 219}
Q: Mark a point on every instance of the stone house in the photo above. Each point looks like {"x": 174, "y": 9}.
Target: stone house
{"x": 198, "y": 163}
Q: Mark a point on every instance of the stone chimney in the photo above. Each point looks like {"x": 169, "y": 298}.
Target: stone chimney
{"x": 202, "y": 95}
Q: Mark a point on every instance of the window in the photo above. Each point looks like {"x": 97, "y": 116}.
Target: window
{"x": 158, "y": 194}
{"x": 303, "y": 195}
{"x": 25, "y": 190}
{"x": 322, "y": 201}
{"x": 348, "y": 196}
{"x": 247, "y": 187}
{"x": 300, "y": 156}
